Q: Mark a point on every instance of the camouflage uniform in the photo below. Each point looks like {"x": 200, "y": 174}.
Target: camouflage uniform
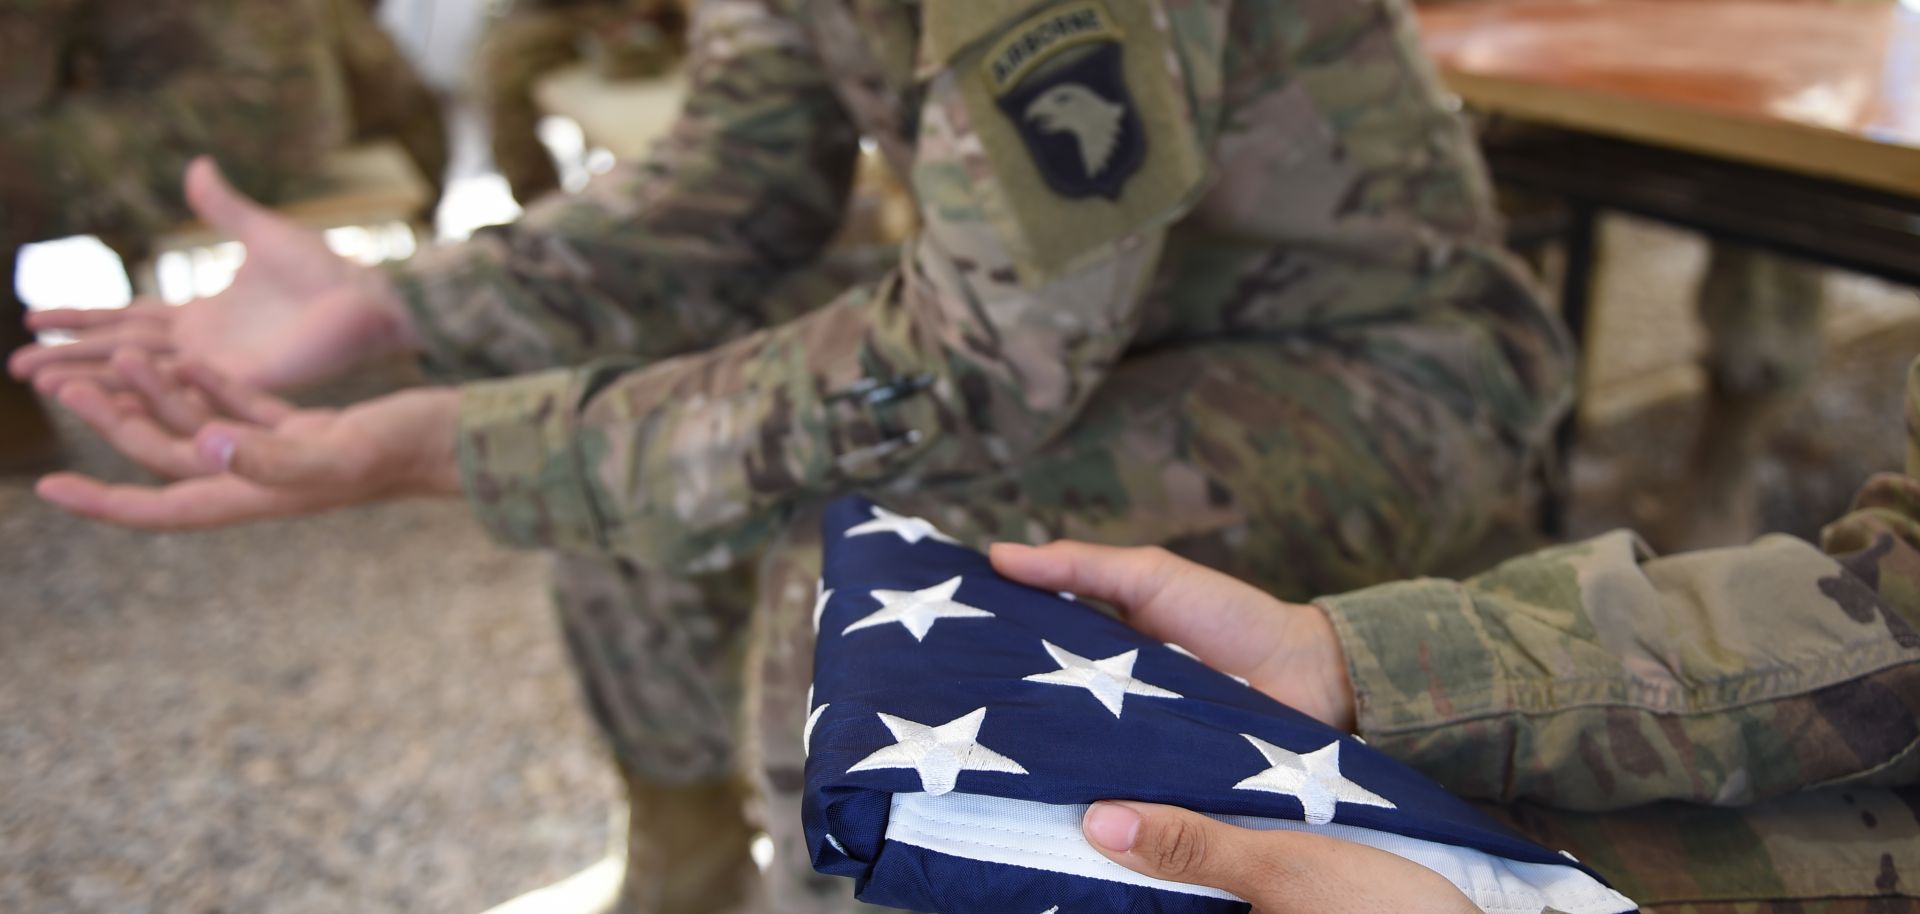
{"x": 1248, "y": 298}
{"x": 105, "y": 101}
{"x": 535, "y": 37}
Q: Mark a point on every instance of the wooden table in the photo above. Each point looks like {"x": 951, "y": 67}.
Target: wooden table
{"x": 1788, "y": 126}
{"x": 1826, "y": 90}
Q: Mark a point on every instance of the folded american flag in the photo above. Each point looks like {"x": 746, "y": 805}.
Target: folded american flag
{"x": 960, "y": 723}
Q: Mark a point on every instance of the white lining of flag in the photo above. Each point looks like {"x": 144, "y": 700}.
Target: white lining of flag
{"x": 1047, "y": 837}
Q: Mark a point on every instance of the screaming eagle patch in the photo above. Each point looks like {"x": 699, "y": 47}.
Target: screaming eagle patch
{"x": 1081, "y": 109}
{"x": 1061, "y": 78}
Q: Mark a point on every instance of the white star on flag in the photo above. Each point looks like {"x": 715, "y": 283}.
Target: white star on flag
{"x": 1109, "y": 680}
{"x": 820, "y": 597}
{"x": 1314, "y": 779}
{"x": 911, "y": 529}
{"x": 806, "y": 736}
{"x": 939, "y": 753}
{"x": 918, "y": 609}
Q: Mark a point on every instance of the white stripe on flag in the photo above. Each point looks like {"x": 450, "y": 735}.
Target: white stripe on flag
{"x": 1047, "y": 837}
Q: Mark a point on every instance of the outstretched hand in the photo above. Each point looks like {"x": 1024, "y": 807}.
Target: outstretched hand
{"x": 296, "y": 313}
{"x": 1287, "y": 650}
{"x": 238, "y": 454}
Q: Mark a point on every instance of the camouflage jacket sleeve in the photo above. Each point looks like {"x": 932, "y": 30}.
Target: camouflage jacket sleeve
{"x": 107, "y": 100}
{"x": 965, "y": 359}
{"x": 1597, "y": 676}
{"x": 667, "y": 255}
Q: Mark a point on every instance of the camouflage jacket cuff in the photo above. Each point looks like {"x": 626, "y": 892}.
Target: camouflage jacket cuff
{"x": 520, "y": 465}
{"x": 1417, "y": 655}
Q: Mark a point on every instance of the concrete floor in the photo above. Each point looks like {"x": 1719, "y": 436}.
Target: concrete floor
{"x": 363, "y": 712}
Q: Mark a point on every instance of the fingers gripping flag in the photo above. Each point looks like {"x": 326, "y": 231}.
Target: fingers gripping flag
{"x": 960, "y": 723}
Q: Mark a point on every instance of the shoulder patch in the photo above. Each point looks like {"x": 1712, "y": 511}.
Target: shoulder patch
{"x": 1059, "y": 76}
{"x": 1082, "y": 112}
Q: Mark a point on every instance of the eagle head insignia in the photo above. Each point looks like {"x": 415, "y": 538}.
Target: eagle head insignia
{"x": 1093, "y": 121}
{"x": 1061, "y": 80}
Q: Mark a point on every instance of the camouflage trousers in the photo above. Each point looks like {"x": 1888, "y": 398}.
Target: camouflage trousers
{"x": 1762, "y": 316}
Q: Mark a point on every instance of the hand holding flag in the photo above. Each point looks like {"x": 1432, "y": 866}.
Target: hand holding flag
{"x": 961, "y": 724}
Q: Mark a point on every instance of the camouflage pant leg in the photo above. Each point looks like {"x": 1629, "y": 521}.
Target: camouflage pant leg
{"x": 516, "y": 51}
{"x": 1297, "y": 466}
{"x": 779, "y": 687}
{"x": 1762, "y": 315}
{"x": 1833, "y": 851}
{"x": 659, "y": 658}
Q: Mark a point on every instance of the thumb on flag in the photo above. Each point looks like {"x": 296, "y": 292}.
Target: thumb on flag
{"x": 1279, "y": 872}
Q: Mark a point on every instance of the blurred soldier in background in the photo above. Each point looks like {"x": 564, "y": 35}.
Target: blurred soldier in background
{"x": 386, "y": 96}
{"x": 104, "y": 103}
{"x": 1225, "y": 276}
{"x": 620, "y": 39}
